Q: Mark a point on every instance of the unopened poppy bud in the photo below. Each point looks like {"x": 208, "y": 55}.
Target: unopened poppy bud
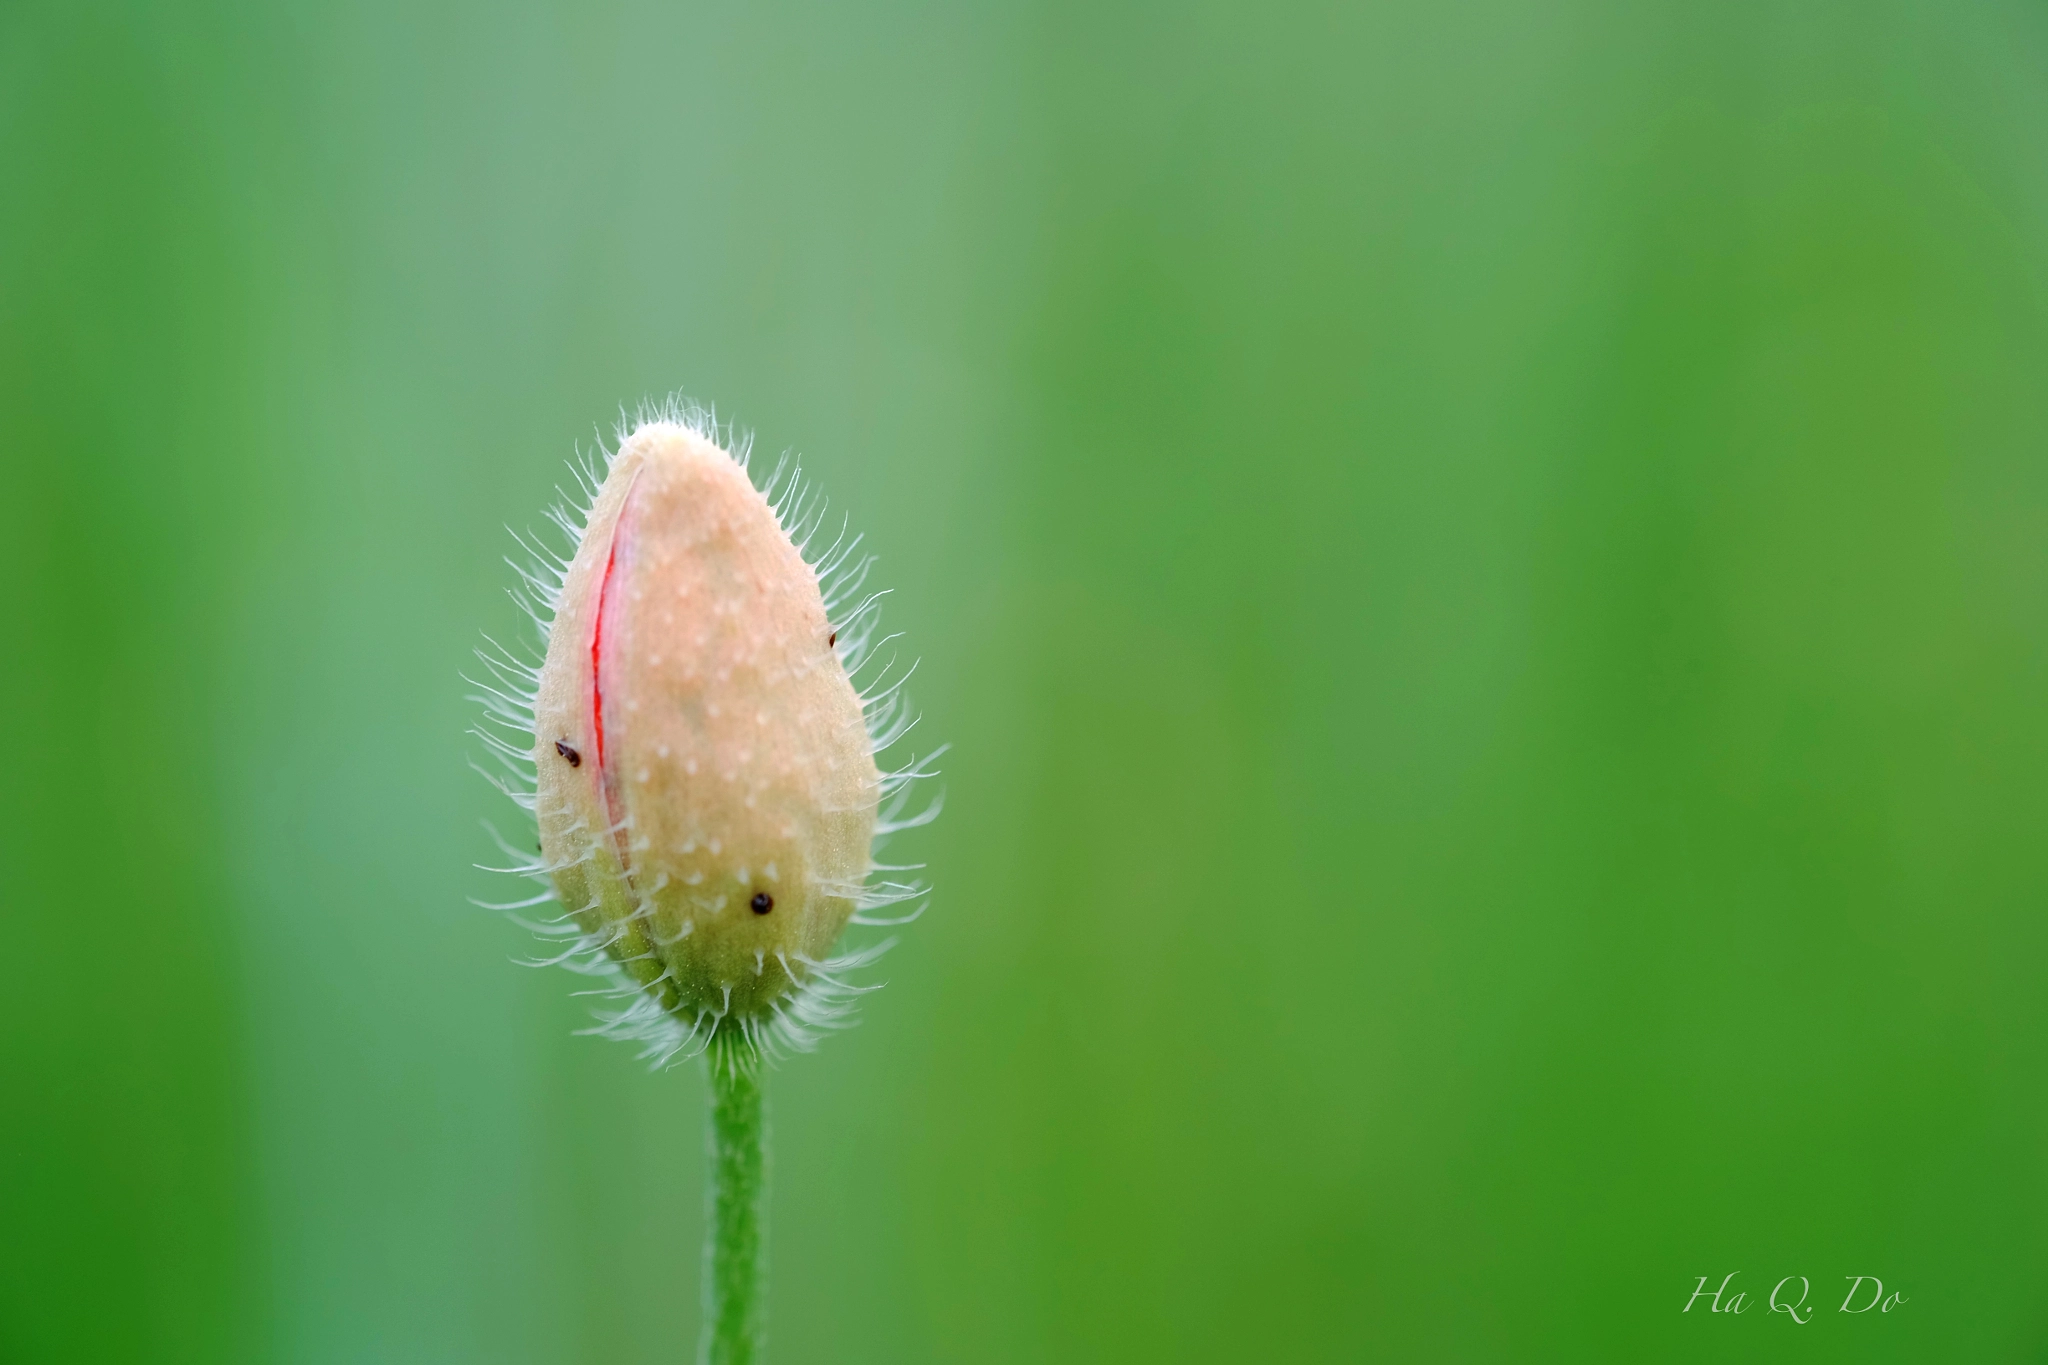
{"x": 705, "y": 781}
{"x": 706, "y": 790}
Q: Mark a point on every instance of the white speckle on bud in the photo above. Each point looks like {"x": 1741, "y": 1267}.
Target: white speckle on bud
{"x": 733, "y": 707}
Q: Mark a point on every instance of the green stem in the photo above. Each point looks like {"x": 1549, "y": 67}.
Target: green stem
{"x": 735, "y": 1259}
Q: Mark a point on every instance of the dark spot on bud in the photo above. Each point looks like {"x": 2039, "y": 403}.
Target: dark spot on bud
{"x": 833, "y": 641}
{"x": 575, "y": 759}
{"x": 762, "y": 902}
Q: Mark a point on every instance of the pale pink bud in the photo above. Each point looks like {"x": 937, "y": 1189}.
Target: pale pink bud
{"x": 706, "y": 786}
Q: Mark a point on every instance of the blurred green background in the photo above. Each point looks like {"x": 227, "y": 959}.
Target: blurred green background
{"x": 1487, "y": 565}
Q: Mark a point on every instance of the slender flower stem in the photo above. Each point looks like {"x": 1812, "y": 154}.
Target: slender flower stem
{"x": 735, "y": 1246}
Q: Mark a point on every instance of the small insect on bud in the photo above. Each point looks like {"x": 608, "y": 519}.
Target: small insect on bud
{"x": 704, "y": 766}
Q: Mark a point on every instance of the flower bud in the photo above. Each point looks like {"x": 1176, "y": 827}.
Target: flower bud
{"x": 705, "y": 779}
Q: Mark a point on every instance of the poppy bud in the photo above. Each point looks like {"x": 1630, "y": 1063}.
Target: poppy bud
{"x": 705, "y": 780}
